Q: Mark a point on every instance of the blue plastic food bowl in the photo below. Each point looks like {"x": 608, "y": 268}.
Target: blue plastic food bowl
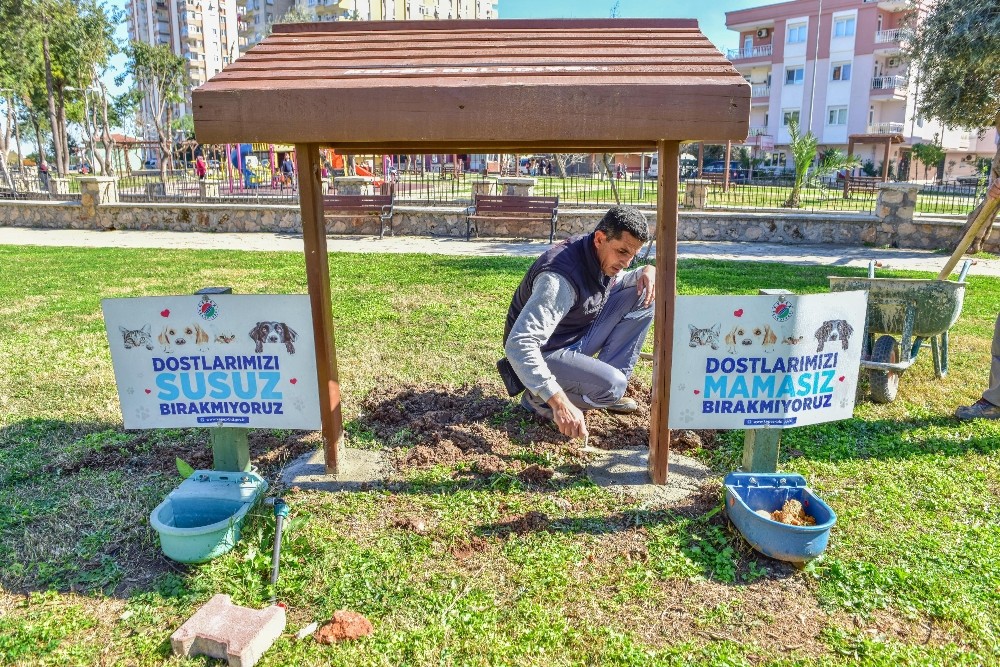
{"x": 748, "y": 492}
{"x": 201, "y": 519}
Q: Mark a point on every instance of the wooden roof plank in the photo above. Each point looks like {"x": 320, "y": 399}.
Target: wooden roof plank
{"x": 486, "y": 84}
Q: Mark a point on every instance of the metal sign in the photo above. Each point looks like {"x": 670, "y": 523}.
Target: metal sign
{"x": 219, "y": 359}
{"x": 765, "y": 361}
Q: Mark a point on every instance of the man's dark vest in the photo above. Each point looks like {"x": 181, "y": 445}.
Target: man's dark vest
{"x": 576, "y": 260}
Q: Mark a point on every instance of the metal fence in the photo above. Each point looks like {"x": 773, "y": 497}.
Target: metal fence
{"x": 445, "y": 185}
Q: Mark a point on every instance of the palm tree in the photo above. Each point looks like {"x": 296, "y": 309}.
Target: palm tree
{"x": 803, "y": 149}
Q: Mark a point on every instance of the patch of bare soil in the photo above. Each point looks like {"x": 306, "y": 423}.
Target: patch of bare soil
{"x": 268, "y": 453}
{"x": 479, "y": 427}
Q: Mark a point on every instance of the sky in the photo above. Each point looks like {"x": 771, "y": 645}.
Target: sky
{"x": 711, "y": 14}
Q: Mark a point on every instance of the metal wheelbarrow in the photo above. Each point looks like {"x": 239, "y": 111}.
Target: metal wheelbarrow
{"x": 915, "y": 310}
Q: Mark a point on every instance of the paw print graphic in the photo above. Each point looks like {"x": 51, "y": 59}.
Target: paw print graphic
{"x": 682, "y": 387}
{"x": 299, "y": 404}
{"x": 142, "y": 414}
{"x": 844, "y": 402}
{"x": 687, "y": 416}
{"x": 130, "y": 391}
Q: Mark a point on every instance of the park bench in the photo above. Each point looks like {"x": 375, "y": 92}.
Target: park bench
{"x": 355, "y": 206}
{"x": 513, "y": 207}
{"x": 864, "y": 184}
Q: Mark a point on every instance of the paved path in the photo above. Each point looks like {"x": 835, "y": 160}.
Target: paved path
{"x": 829, "y": 255}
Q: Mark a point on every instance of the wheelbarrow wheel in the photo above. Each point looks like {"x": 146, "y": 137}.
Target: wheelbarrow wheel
{"x": 884, "y": 384}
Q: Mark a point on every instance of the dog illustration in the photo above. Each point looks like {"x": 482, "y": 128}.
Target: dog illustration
{"x": 792, "y": 340}
{"x": 273, "y": 332}
{"x": 834, "y": 330}
{"x": 225, "y": 338}
{"x": 182, "y": 336}
{"x": 742, "y": 336}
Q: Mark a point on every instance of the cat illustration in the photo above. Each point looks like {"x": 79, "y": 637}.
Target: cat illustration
{"x": 708, "y": 336}
{"x": 137, "y": 337}
{"x": 225, "y": 337}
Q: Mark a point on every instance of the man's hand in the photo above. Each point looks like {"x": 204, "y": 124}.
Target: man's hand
{"x": 567, "y": 416}
{"x": 647, "y": 281}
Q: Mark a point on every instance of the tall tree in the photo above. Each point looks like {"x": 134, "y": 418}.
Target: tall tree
{"x": 955, "y": 48}
{"x": 804, "y": 148}
{"x": 163, "y": 77}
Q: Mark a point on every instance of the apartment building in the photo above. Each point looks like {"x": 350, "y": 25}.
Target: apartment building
{"x": 255, "y": 15}
{"x": 204, "y": 32}
{"x": 836, "y": 67}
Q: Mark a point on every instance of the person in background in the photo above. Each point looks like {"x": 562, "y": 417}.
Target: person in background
{"x": 988, "y": 407}
{"x": 43, "y": 175}
{"x": 577, "y": 301}
{"x": 287, "y": 172}
{"x": 200, "y": 167}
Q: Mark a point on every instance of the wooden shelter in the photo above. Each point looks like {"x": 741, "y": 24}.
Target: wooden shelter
{"x": 480, "y": 86}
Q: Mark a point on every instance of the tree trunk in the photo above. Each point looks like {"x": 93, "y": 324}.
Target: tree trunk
{"x": 561, "y": 164}
{"x": 106, "y": 141}
{"x": 606, "y": 162}
{"x": 61, "y": 163}
{"x": 5, "y": 146}
{"x": 17, "y": 142}
{"x": 977, "y": 243}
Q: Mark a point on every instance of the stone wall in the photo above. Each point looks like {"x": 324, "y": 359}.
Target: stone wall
{"x": 893, "y": 225}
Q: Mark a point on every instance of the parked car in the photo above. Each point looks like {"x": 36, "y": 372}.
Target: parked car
{"x": 214, "y": 164}
{"x": 150, "y": 163}
{"x": 736, "y": 172}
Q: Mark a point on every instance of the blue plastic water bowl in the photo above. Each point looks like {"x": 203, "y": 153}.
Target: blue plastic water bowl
{"x": 201, "y": 519}
{"x": 748, "y": 492}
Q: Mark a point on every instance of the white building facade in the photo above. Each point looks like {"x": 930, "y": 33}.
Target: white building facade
{"x": 836, "y": 67}
{"x": 203, "y": 32}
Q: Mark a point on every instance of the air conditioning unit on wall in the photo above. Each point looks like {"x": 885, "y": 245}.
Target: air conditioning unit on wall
{"x": 893, "y": 62}
{"x": 763, "y": 32}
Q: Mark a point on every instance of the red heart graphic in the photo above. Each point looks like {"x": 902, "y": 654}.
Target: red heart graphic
{"x": 293, "y": 380}
{"x": 697, "y": 391}
{"x": 149, "y": 391}
{"x": 165, "y": 312}
{"x": 841, "y": 378}
{"x": 738, "y": 313}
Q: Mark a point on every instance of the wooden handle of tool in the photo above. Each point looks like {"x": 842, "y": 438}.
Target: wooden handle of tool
{"x": 985, "y": 214}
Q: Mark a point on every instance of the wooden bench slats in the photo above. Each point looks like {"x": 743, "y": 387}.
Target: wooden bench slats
{"x": 351, "y": 206}
{"x": 513, "y": 207}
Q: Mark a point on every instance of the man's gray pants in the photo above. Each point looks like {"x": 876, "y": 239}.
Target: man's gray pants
{"x": 616, "y": 337}
{"x": 992, "y": 393}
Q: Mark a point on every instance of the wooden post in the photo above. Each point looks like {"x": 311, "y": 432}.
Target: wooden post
{"x": 725, "y": 177}
{"x": 885, "y": 160}
{"x": 318, "y": 278}
{"x": 847, "y": 172}
{"x": 230, "y": 447}
{"x": 663, "y": 318}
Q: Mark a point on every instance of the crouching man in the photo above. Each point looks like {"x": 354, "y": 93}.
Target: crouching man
{"x": 578, "y": 321}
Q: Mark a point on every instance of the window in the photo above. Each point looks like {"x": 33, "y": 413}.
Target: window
{"x": 843, "y": 27}
{"x": 796, "y": 34}
{"x": 789, "y": 115}
{"x": 836, "y": 116}
{"x": 841, "y": 72}
{"x": 793, "y": 75}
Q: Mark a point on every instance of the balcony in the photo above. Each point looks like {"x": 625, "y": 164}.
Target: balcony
{"x": 889, "y": 87}
{"x": 885, "y": 128}
{"x": 757, "y": 131}
{"x": 762, "y": 51}
{"x": 892, "y": 5}
{"x": 760, "y": 91}
{"x": 889, "y": 36}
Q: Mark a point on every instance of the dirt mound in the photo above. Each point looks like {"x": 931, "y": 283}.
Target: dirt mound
{"x": 477, "y": 427}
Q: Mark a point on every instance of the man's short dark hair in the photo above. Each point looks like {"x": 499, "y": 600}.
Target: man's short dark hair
{"x": 620, "y": 219}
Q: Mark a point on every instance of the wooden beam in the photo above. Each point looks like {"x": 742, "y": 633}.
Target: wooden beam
{"x": 729, "y": 156}
{"x": 318, "y": 278}
{"x": 663, "y": 318}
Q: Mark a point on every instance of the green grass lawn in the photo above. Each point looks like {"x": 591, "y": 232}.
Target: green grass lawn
{"x": 911, "y": 576}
